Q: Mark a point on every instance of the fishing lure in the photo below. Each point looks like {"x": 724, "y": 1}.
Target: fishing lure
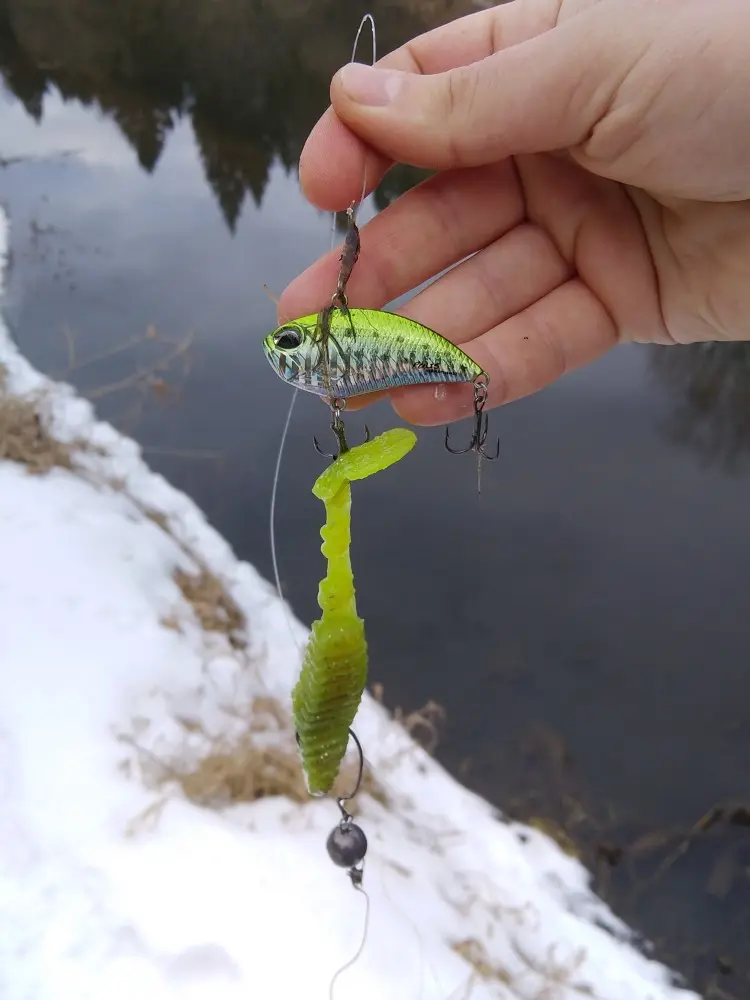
{"x": 338, "y": 353}
{"x": 334, "y": 670}
{"x": 347, "y": 352}
{"x": 342, "y": 352}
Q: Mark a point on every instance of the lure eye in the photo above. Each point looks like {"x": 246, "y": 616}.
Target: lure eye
{"x": 287, "y": 338}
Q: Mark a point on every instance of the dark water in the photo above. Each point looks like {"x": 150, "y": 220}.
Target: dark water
{"x": 586, "y": 625}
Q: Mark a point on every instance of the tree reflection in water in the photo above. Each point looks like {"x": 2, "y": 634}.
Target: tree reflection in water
{"x": 252, "y": 76}
{"x": 710, "y": 387}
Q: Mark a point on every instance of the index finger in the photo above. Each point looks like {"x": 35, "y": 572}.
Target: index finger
{"x": 334, "y": 159}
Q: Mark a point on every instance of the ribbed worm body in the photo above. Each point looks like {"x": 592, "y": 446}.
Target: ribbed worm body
{"x": 334, "y": 669}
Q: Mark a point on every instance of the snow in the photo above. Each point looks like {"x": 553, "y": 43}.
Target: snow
{"x": 115, "y": 884}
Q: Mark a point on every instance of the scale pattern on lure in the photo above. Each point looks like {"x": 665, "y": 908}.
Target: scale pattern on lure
{"x": 341, "y": 352}
{"x": 334, "y": 670}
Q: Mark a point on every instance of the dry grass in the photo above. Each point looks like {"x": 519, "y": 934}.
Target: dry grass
{"x": 559, "y": 978}
{"x": 557, "y": 833}
{"x": 422, "y": 725}
{"x": 213, "y": 605}
{"x": 248, "y": 769}
{"x": 24, "y": 437}
{"x": 244, "y": 773}
{"x": 261, "y": 763}
{"x": 473, "y": 952}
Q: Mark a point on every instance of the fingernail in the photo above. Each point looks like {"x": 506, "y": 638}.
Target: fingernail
{"x": 369, "y": 86}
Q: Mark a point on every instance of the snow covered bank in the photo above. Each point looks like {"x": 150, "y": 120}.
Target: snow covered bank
{"x": 155, "y": 838}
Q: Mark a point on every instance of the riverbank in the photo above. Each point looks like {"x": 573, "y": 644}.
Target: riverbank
{"x": 156, "y": 836}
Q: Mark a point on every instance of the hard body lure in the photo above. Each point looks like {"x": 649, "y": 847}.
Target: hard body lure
{"x": 342, "y": 352}
{"x": 334, "y": 670}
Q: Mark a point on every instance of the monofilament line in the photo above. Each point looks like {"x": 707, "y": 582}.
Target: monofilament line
{"x": 373, "y": 35}
{"x": 368, "y": 17}
{"x": 272, "y": 517}
{"x": 357, "y": 954}
{"x": 274, "y": 494}
{"x": 274, "y": 489}
{"x": 365, "y": 19}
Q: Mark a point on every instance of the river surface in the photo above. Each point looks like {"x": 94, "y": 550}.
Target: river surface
{"x": 584, "y": 625}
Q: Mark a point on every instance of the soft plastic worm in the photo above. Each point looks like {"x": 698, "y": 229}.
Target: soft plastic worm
{"x": 334, "y": 670}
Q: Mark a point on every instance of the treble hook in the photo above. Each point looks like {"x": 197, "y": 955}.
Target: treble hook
{"x": 339, "y": 430}
{"x": 481, "y": 427}
{"x": 347, "y": 843}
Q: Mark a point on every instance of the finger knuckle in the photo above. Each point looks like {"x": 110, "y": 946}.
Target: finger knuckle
{"x": 459, "y": 109}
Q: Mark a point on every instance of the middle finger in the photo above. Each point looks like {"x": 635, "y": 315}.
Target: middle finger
{"x": 488, "y": 288}
{"x": 426, "y": 230}
{"x": 482, "y": 292}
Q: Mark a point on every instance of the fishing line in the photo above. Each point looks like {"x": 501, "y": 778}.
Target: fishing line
{"x": 274, "y": 494}
{"x": 426, "y": 965}
{"x": 366, "y": 924}
{"x": 358, "y": 953}
{"x": 371, "y": 19}
{"x": 282, "y": 443}
{"x": 373, "y": 35}
{"x": 272, "y": 515}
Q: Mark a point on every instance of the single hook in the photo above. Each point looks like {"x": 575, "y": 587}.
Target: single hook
{"x": 339, "y": 430}
{"x": 360, "y": 772}
{"x": 347, "y": 843}
{"x": 358, "y": 783}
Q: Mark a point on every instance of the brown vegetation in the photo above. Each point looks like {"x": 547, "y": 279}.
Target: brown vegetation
{"x": 260, "y": 763}
{"x": 214, "y": 606}
{"x": 24, "y": 436}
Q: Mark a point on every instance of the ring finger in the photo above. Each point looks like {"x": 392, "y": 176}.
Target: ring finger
{"x": 480, "y": 293}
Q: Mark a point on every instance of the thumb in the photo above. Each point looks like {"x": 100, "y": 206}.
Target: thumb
{"x": 543, "y": 94}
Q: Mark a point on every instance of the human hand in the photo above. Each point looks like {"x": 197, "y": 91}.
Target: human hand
{"x": 593, "y": 158}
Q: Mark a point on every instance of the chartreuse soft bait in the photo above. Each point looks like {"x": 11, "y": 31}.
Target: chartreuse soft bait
{"x": 334, "y": 670}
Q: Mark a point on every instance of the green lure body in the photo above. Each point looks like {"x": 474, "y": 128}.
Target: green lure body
{"x": 346, "y": 352}
{"x": 326, "y": 697}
